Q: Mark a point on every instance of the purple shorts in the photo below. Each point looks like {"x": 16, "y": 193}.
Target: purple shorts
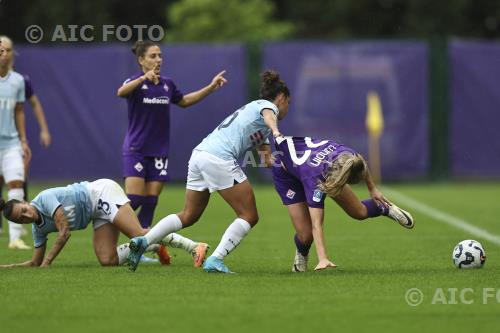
{"x": 147, "y": 167}
{"x": 292, "y": 190}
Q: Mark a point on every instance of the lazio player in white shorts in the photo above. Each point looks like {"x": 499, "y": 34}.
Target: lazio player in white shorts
{"x": 213, "y": 167}
{"x": 13, "y": 143}
{"x": 64, "y": 209}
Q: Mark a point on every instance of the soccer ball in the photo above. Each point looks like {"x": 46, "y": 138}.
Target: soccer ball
{"x": 468, "y": 254}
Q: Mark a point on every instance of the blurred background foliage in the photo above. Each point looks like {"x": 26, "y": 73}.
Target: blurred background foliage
{"x": 257, "y": 20}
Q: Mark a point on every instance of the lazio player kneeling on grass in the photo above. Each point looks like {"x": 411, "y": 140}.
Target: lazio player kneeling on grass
{"x": 64, "y": 209}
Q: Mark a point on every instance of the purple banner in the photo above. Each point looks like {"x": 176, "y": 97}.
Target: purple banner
{"x": 77, "y": 87}
{"x": 475, "y": 109}
{"x": 330, "y": 83}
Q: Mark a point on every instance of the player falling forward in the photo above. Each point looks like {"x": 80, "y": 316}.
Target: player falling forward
{"x": 308, "y": 170}
{"x": 213, "y": 167}
{"x": 64, "y": 209}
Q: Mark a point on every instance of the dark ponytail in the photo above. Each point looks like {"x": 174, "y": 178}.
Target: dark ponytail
{"x": 141, "y": 47}
{"x": 272, "y": 85}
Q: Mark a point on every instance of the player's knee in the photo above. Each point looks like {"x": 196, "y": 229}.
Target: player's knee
{"x": 251, "y": 218}
{"x": 110, "y": 260}
{"x": 188, "y": 218}
{"x": 358, "y": 214}
{"x": 305, "y": 237}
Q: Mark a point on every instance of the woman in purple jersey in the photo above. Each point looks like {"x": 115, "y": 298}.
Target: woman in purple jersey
{"x": 146, "y": 145}
{"x": 324, "y": 168}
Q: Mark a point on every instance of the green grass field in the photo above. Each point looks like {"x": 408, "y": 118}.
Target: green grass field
{"x": 378, "y": 262}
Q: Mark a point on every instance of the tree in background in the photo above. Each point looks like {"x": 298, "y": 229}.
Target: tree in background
{"x": 224, "y": 20}
{"x": 257, "y": 20}
{"x": 324, "y": 19}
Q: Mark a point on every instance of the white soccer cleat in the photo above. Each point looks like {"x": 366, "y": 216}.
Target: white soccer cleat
{"x": 18, "y": 244}
{"x": 299, "y": 263}
{"x": 401, "y": 216}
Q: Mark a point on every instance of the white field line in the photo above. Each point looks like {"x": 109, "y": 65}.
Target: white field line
{"x": 441, "y": 216}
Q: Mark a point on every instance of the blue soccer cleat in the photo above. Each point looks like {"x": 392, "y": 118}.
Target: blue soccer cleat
{"x": 137, "y": 247}
{"x": 215, "y": 265}
{"x": 148, "y": 260}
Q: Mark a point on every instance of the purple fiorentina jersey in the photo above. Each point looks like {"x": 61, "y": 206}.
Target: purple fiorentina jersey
{"x": 149, "y": 117}
{"x": 308, "y": 159}
{"x": 28, "y": 87}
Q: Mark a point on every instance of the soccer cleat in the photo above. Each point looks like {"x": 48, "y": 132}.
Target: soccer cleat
{"x": 401, "y": 216}
{"x": 137, "y": 247}
{"x": 148, "y": 259}
{"x": 18, "y": 244}
{"x": 299, "y": 263}
{"x": 163, "y": 255}
{"x": 199, "y": 253}
{"x": 215, "y": 265}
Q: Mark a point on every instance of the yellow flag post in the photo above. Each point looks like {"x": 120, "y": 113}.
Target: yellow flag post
{"x": 375, "y": 127}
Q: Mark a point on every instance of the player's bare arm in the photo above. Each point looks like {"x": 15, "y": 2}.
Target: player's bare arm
{"x": 127, "y": 88}
{"x": 317, "y": 218}
{"x": 45, "y": 137}
{"x": 266, "y": 155}
{"x": 63, "y": 235}
{"x": 375, "y": 193}
{"x": 271, "y": 121}
{"x": 192, "y": 98}
{"x": 35, "y": 261}
{"x": 21, "y": 129}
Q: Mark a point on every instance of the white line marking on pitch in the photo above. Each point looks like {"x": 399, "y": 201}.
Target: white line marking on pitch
{"x": 441, "y": 216}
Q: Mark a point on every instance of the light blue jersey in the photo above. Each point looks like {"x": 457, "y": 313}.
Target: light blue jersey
{"x": 241, "y": 131}
{"x": 74, "y": 200}
{"x": 11, "y": 93}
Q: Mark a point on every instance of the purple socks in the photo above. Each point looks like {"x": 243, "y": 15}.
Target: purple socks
{"x": 147, "y": 210}
{"x": 301, "y": 247}
{"x": 373, "y": 209}
{"x": 147, "y": 204}
{"x": 135, "y": 200}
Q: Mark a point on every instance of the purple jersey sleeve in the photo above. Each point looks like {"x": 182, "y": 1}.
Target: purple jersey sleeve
{"x": 28, "y": 87}
{"x": 177, "y": 95}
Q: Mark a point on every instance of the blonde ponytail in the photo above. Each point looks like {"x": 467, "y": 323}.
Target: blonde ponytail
{"x": 346, "y": 169}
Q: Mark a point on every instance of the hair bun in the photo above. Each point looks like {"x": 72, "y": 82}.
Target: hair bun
{"x": 270, "y": 76}
{"x": 137, "y": 45}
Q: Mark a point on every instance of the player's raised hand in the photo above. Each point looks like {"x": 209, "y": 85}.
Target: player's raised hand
{"x": 152, "y": 76}
{"x": 218, "y": 81}
{"x": 324, "y": 264}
